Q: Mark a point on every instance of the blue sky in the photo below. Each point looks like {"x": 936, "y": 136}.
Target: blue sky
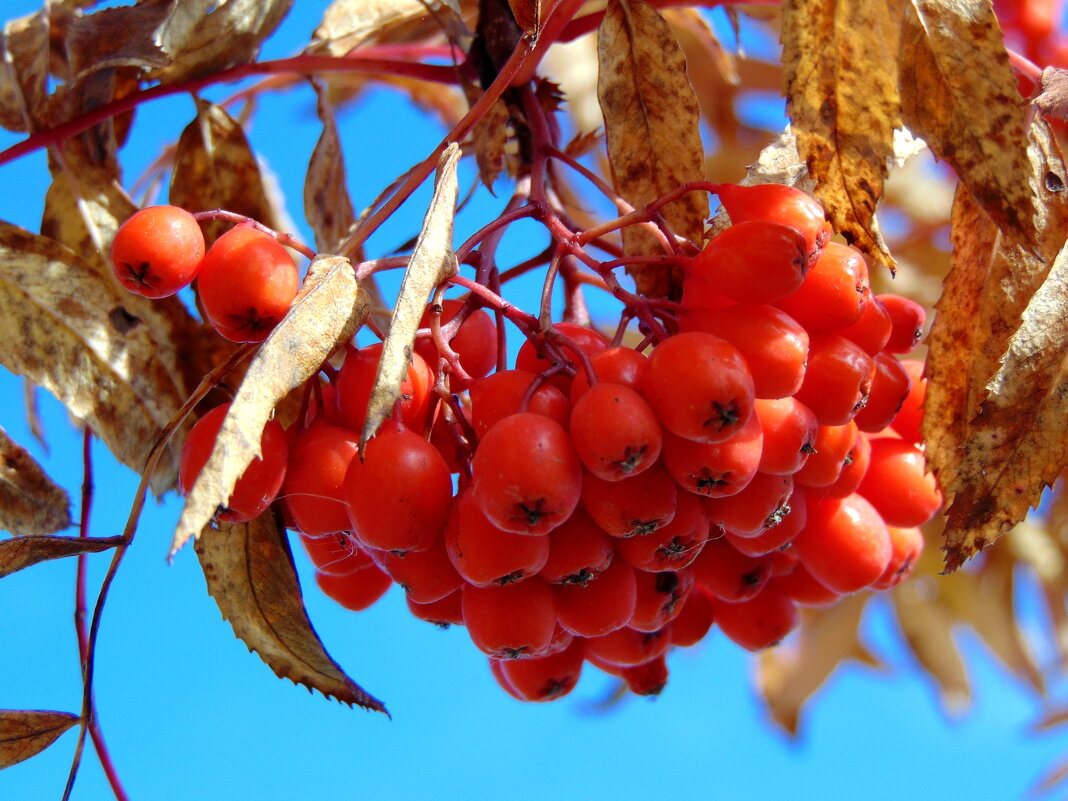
{"x": 189, "y": 713}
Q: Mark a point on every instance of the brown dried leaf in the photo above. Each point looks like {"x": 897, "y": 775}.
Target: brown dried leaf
{"x": 30, "y": 502}
{"x": 24, "y": 734}
{"x": 840, "y": 77}
{"x": 651, "y": 127}
{"x": 788, "y": 676}
{"x": 230, "y": 33}
{"x": 250, "y": 574}
{"x": 21, "y": 552}
{"x": 1052, "y": 98}
{"x": 490, "y": 136}
{"x": 327, "y": 312}
{"x": 928, "y": 631}
{"x": 60, "y": 329}
{"x": 433, "y": 261}
{"x": 215, "y": 168}
{"x": 24, "y": 72}
{"x": 990, "y": 420}
{"x": 348, "y": 24}
{"x": 528, "y": 13}
{"x": 962, "y": 101}
{"x": 327, "y": 205}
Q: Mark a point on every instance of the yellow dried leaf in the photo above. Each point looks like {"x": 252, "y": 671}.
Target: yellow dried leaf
{"x": 215, "y": 168}
{"x": 840, "y": 77}
{"x": 348, "y": 24}
{"x": 250, "y": 574}
{"x": 928, "y": 631}
{"x": 990, "y": 419}
{"x": 21, "y": 552}
{"x": 789, "y": 675}
{"x": 433, "y": 261}
{"x": 67, "y": 328}
{"x": 327, "y": 205}
{"x": 958, "y": 93}
{"x": 651, "y": 129}
{"x": 327, "y": 312}
{"x": 30, "y": 502}
{"x": 24, "y": 734}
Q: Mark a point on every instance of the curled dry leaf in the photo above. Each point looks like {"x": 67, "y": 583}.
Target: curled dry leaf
{"x": 652, "y": 131}
{"x": 789, "y": 675}
{"x": 327, "y": 205}
{"x": 30, "y": 502}
{"x": 21, "y": 552}
{"x": 433, "y": 261}
{"x": 250, "y": 574}
{"x": 201, "y": 37}
{"x": 58, "y": 328}
{"x": 839, "y": 63}
{"x": 215, "y": 168}
{"x": 24, "y": 54}
{"x": 994, "y": 417}
{"x": 348, "y": 24}
{"x": 963, "y": 102}
{"x": 327, "y": 312}
{"x": 25, "y": 733}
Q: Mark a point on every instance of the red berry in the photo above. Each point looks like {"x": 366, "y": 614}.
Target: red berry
{"x": 312, "y": 490}
{"x": 907, "y": 318}
{"x": 671, "y": 547}
{"x": 898, "y": 485}
{"x": 906, "y": 547}
{"x": 425, "y": 576}
{"x": 604, "y": 604}
{"x": 616, "y": 365}
{"x": 483, "y": 554}
{"x": 780, "y": 204}
{"x": 545, "y": 678}
{"x": 632, "y": 506}
{"x": 259, "y": 484}
{"x": 790, "y": 429}
{"x": 510, "y": 621}
{"x": 834, "y": 292}
{"x": 753, "y": 261}
{"x": 844, "y": 545}
{"x": 889, "y": 389}
{"x": 715, "y": 469}
{"x": 355, "y": 591}
{"x": 838, "y": 380}
{"x": 357, "y": 377}
{"x": 157, "y": 251}
{"x": 495, "y": 397}
{"x": 760, "y": 622}
{"x": 615, "y": 432}
{"x": 475, "y": 342}
{"x": 246, "y": 283}
{"x": 336, "y": 554}
{"x": 579, "y": 551}
{"x": 729, "y": 574}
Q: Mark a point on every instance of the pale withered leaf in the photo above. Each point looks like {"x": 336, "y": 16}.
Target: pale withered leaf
{"x": 30, "y": 502}
{"x": 250, "y": 574}
{"x": 24, "y": 48}
{"x": 215, "y": 168}
{"x": 788, "y": 676}
{"x": 58, "y": 327}
{"x": 231, "y": 33}
{"x": 928, "y": 631}
{"x": 977, "y": 337}
{"x": 348, "y": 24}
{"x": 433, "y": 261}
{"x": 327, "y": 205}
{"x": 963, "y": 102}
{"x": 841, "y": 87}
{"x": 327, "y": 312}
{"x": 21, "y": 552}
{"x": 651, "y": 129}
{"x": 25, "y": 733}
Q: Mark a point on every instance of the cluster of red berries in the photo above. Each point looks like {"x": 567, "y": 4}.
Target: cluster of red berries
{"x": 246, "y": 280}
{"x": 611, "y": 502}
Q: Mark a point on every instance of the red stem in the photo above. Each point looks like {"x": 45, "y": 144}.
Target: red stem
{"x": 299, "y": 65}
{"x": 80, "y": 607}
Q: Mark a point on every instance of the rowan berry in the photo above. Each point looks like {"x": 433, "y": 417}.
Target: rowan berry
{"x": 906, "y": 547}
{"x": 789, "y": 434}
{"x": 715, "y": 469}
{"x": 671, "y": 547}
{"x": 603, "y": 604}
{"x": 694, "y": 621}
{"x": 907, "y": 318}
{"x": 246, "y": 284}
{"x": 761, "y": 505}
{"x": 496, "y": 396}
{"x": 616, "y": 365}
{"x": 834, "y": 292}
{"x": 483, "y": 554}
{"x": 336, "y": 554}
{"x": 579, "y": 551}
{"x": 545, "y": 678}
{"x": 890, "y": 387}
{"x": 627, "y": 647}
{"x": 475, "y": 342}
{"x": 312, "y": 490}
{"x": 357, "y": 377}
{"x": 898, "y": 485}
{"x": 729, "y": 574}
{"x": 615, "y": 432}
{"x": 510, "y": 621}
{"x": 425, "y": 576}
{"x": 838, "y": 379}
{"x": 659, "y": 598}
{"x": 445, "y": 612}
{"x": 355, "y": 591}
{"x": 844, "y": 544}
{"x": 157, "y": 251}
{"x": 760, "y": 622}
{"x": 631, "y": 506}
{"x": 779, "y": 204}
{"x": 753, "y": 261}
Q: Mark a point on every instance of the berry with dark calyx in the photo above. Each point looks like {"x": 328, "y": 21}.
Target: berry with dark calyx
{"x": 760, "y": 506}
{"x": 335, "y": 554}
{"x": 615, "y": 432}
{"x": 399, "y": 494}
{"x": 700, "y": 387}
{"x": 780, "y": 204}
{"x": 906, "y": 547}
{"x": 889, "y": 388}
{"x": 777, "y": 538}
{"x": 908, "y": 418}
{"x": 157, "y": 251}
{"x": 671, "y": 547}
{"x": 717, "y": 469}
{"x": 246, "y": 284}
{"x": 447, "y": 611}
{"x": 872, "y": 329}
{"x": 579, "y": 551}
{"x": 425, "y": 576}
{"x": 898, "y": 485}
{"x": 825, "y": 464}
{"x": 753, "y": 261}
{"x": 789, "y": 431}
{"x": 907, "y": 318}
{"x": 545, "y": 678}
{"x": 526, "y": 475}
{"x": 483, "y": 554}
{"x": 695, "y": 619}
{"x": 729, "y": 574}
{"x": 262, "y": 480}
{"x": 660, "y": 597}
{"x": 602, "y": 605}
{"x": 632, "y": 506}
{"x": 854, "y": 468}
{"x": 627, "y": 647}
{"x": 510, "y": 621}
{"x": 838, "y": 380}
{"x": 649, "y": 678}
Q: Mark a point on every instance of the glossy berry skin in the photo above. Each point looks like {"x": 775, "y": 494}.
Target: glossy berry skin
{"x": 615, "y": 432}
{"x": 906, "y": 548}
{"x": 579, "y": 551}
{"x": 475, "y": 342}
{"x": 716, "y": 469}
{"x": 633, "y": 506}
{"x": 898, "y": 485}
{"x": 355, "y": 591}
{"x": 425, "y": 576}
{"x": 627, "y": 647}
{"x": 356, "y": 379}
{"x": 789, "y": 431}
{"x": 498, "y": 395}
{"x": 907, "y": 318}
{"x": 761, "y": 622}
{"x": 543, "y": 678}
{"x": 779, "y": 204}
{"x": 157, "y": 251}
{"x": 318, "y": 460}
{"x": 510, "y": 621}
{"x": 399, "y": 494}
{"x": 834, "y": 292}
{"x": 671, "y": 547}
{"x": 588, "y": 340}
{"x": 335, "y": 554}
{"x": 909, "y": 417}
{"x": 700, "y": 387}
{"x": 526, "y": 475}
{"x": 728, "y": 574}
{"x": 259, "y": 484}
{"x": 890, "y": 387}
{"x": 753, "y": 261}
{"x": 247, "y": 283}
{"x": 604, "y": 604}
{"x": 617, "y": 365}
{"x": 845, "y": 544}
{"x": 838, "y": 380}
{"x": 483, "y": 554}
